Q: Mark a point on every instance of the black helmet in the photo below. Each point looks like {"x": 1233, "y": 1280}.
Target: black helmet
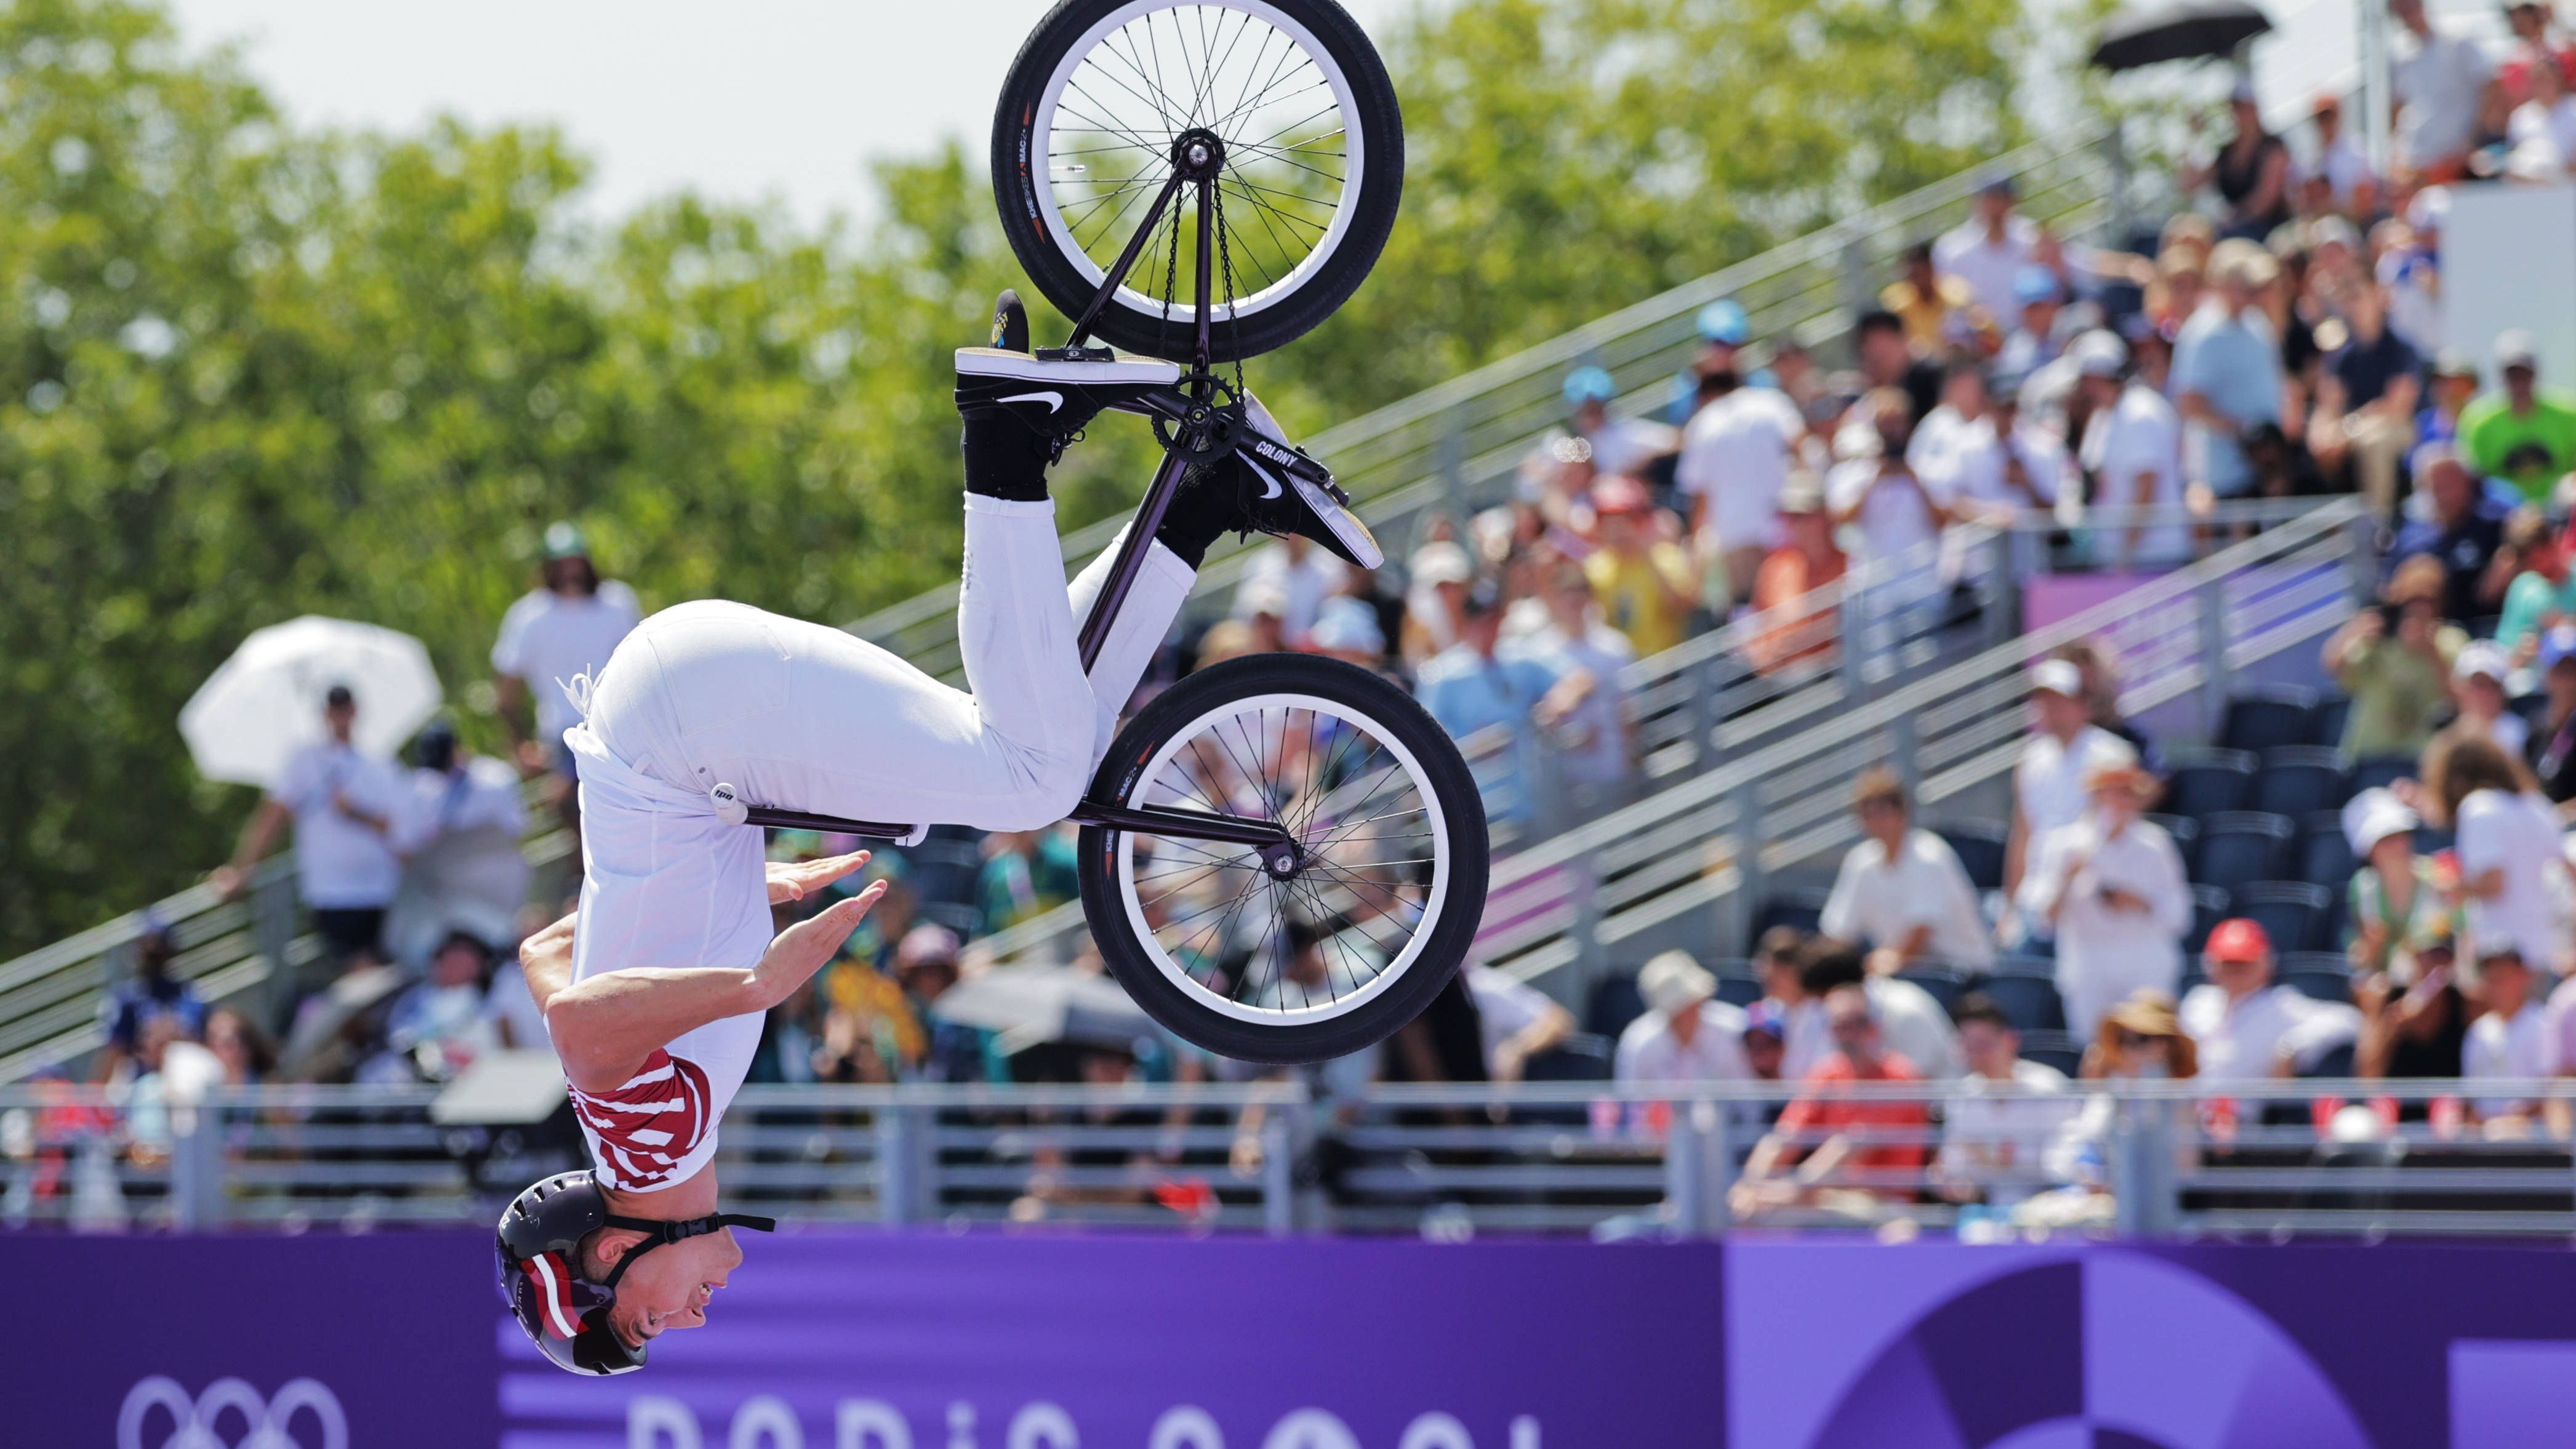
{"x": 562, "y": 1312}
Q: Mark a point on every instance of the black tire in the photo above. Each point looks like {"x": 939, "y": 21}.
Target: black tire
{"x": 1450, "y": 931}
{"x": 1134, "y": 329}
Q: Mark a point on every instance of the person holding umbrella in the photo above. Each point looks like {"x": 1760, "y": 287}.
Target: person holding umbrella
{"x": 343, "y": 803}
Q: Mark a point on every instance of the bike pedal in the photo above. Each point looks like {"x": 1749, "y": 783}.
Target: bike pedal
{"x": 1083, "y": 353}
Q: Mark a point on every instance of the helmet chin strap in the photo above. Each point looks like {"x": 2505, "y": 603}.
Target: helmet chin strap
{"x": 660, "y": 1232}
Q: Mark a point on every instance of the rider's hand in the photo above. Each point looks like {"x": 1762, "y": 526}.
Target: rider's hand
{"x": 801, "y": 949}
{"x": 795, "y": 880}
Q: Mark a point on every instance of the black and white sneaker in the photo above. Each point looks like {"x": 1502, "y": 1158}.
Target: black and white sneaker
{"x": 1284, "y": 492}
{"x": 1055, "y": 399}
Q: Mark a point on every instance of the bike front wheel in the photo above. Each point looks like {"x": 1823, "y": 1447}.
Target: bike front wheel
{"x": 1307, "y": 963}
{"x": 1295, "y": 100}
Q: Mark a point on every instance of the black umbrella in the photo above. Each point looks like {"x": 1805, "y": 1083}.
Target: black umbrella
{"x": 2161, "y": 30}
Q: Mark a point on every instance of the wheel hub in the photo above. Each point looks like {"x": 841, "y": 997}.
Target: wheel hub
{"x": 1198, "y": 154}
{"x": 1283, "y": 860}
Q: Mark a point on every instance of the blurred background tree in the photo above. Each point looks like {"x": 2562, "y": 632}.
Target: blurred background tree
{"x": 249, "y": 372}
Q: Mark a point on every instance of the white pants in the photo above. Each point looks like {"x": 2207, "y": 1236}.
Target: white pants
{"x": 804, "y": 717}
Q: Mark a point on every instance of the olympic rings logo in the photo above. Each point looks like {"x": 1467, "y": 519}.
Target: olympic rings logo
{"x": 265, "y": 1421}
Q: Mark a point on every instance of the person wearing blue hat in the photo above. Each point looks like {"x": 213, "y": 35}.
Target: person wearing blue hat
{"x": 2552, "y": 745}
{"x": 2034, "y": 341}
{"x": 1620, "y": 446}
{"x": 1735, "y": 456}
{"x": 1989, "y": 249}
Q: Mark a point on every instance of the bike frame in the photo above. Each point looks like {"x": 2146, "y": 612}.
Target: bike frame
{"x": 1189, "y": 408}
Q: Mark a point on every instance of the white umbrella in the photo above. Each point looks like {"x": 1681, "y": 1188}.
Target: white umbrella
{"x": 266, "y": 700}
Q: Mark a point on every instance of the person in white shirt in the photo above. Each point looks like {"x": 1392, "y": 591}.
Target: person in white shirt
{"x": 2111, "y": 886}
{"x": 458, "y": 833}
{"x": 567, "y": 626}
{"x": 2510, "y": 1041}
{"x": 2334, "y": 156}
{"x": 2509, "y": 845}
{"x": 1902, "y": 889}
{"x": 2132, "y": 446}
{"x": 1687, "y": 1034}
{"x": 2064, "y": 748}
{"x": 345, "y": 806}
{"x": 2247, "y": 1027}
{"x": 1955, "y": 449}
{"x": 1988, "y": 250}
{"x": 1518, "y": 1019}
{"x": 1899, "y": 512}
{"x": 1594, "y": 738}
{"x": 2032, "y": 425}
{"x": 2542, "y": 130}
{"x": 1736, "y": 456}
{"x": 1299, "y": 577}
{"x": 2002, "y": 1115}
{"x": 1910, "y": 1017}
{"x": 1618, "y": 445}
{"x": 2442, "y": 80}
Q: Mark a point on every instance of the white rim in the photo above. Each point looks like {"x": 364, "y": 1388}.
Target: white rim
{"x": 1041, "y": 161}
{"x": 1343, "y": 1002}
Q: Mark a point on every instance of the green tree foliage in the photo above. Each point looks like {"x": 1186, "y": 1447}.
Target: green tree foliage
{"x": 249, "y": 372}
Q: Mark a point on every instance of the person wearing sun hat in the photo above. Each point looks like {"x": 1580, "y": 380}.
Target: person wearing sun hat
{"x": 2110, "y": 886}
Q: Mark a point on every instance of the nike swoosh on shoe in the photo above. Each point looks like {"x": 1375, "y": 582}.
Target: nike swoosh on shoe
{"x": 1053, "y": 400}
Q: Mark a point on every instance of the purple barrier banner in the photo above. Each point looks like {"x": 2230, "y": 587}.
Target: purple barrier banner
{"x": 858, "y": 1340}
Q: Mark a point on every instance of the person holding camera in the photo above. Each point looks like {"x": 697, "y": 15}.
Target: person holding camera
{"x": 2395, "y": 661}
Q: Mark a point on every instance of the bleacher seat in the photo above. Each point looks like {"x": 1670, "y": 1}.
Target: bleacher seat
{"x": 2208, "y": 908}
{"x": 2378, "y": 772}
{"x": 2292, "y": 913}
{"x": 1613, "y": 1004}
{"x": 2031, "y": 1001}
{"x": 2186, "y": 838}
{"x": 1979, "y": 844}
{"x": 1582, "y": 1057}
{"x": 1941, "y": 983}
{"x": 2336, "y": 1064}
{"x": 1801, "y": 907}
{"x": 2326, "y": 722}
{"x": 2300, "y": 780}
{"x": 2058, "y": 1049}
{"x": 1736, "y": 983}
{"x": 2325, "y": 856}
{"x": 2210, "y": 782}
{"x": 2320, "y": 974}
{"x": 2241, "y": 846}
{"x": 2269, "y": 718}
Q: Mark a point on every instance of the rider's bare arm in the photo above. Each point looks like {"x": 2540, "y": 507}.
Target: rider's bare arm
{"x": 604, "y": 1026}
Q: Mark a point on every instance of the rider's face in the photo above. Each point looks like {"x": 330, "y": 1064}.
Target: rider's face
{"x": 669, "y": 1287}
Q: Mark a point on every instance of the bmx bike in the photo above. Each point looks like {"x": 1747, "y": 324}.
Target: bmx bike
{"x": 1282, "y": 857}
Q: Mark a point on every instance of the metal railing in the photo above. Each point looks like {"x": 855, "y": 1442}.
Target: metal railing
{"x": 1688, "y": 866}
{"x": 2264, "y": 1158}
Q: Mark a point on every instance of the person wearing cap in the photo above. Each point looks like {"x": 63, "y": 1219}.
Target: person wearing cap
{"x": 1989, "y": 251}
{"x": 1481, "y": 682}
{"x": 2509, "y": 1042}
{"x": 2444, "y": 84}
{"x": 566, "y": 626}
{"x": 2460, "y": 528}
{"x": 2395, "y": 661}
{"x": 1347, "y": 629}
{"x": 2244, "y": 1025}
{"x": 2250, "y": 171}
{"x": 2522, "y": 434}
{"x": 345, "y": 805}
{"x": 1439, "y": 574}
{"x": 2509, "y": 844}
{"x": 2110, "y": 886}
{"x": 2478, "y": 689}
{"x": 1619, "y": 445}
{"x": 2002, "y": 1113}
{"x": 1642, "y": 580}
{"x": 1806, "y": 559}
{"x": 2551, "y": 749}
{"x": 1901, "y": 890}
{"x": 2227, "y": 379}
{"x": 2450, "y": 385}
{"x": 2363, "y": 420}
{"x": 2132, "y": 445}
{"x": 1939, "y": 310}
{"x": 2391, "y": 900}
{"x": 2039, "y": 314}
{"x": 1827, "y": 1131}
{"x": 1300, "y": 575}
{"x": 2334, "y": 158}
{"x": 1686, "y": 1034}
{"x": 1736, "y": 455}
{"x": 2065, "y": 747}
{"x": 1766, "y": 1050}
{"x": 459, "y": 834}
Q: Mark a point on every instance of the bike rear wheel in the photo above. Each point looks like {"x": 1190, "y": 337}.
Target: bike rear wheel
{"x": 1315, "y": 962}
{"x": 1313, "y": 143}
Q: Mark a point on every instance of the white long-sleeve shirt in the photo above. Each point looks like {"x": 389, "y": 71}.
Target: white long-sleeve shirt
{"x": 2239, "y": 1040}
{"x": 2098, "y": 946}
{"x": 1881, "y": 902}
